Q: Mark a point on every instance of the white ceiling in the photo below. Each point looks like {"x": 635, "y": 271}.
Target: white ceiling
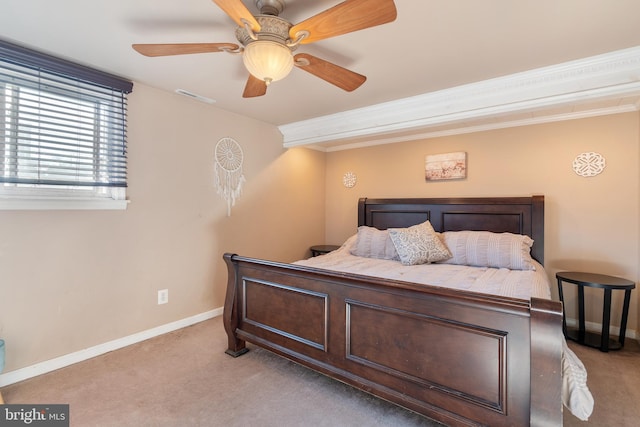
{"x": 433, "y": 45}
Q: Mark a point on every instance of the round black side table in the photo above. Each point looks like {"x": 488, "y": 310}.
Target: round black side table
{"x": 322, "y": 249}
{"x": 608, "y": 283}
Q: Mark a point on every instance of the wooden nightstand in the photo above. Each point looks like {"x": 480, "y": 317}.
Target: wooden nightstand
{"x": 322, "y": 249}
{"x": 608, "y": 283}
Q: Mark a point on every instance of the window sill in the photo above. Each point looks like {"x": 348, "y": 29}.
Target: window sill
{"x": 20, "y": 204}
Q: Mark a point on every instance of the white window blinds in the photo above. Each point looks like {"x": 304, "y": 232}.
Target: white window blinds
{"x": 61, "y": 124}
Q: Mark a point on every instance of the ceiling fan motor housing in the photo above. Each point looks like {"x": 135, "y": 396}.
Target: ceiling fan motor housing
{"x": 272, "y": 28}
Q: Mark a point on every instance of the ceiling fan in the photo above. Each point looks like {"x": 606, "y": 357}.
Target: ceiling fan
{"x": 268, "y": 41}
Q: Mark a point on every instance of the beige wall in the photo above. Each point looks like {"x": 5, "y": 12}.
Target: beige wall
{"x": 74, "y": 279}
{"x": 61, "y": 291}
{"x": 591, "y": 223}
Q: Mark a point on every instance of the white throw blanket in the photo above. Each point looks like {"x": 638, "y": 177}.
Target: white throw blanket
{"x": 496, "y": 281}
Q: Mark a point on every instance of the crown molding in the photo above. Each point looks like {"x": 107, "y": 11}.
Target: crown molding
{"x": 614, "y": 75}
{"x": 459, "y": 130}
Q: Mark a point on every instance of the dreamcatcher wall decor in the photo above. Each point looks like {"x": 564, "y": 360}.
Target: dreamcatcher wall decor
{"x": 228, "y": 171}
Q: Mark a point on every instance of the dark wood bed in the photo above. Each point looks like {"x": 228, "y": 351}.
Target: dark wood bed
{"x": 458, "y": 357}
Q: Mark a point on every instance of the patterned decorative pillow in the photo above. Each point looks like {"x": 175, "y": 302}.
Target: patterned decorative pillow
{"x": 486, "y": 249}
{"x": 418, "y": 244}
{"x": 374, "y": 243}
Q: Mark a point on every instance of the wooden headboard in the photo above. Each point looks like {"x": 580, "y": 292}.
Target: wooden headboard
{"x": 518, "y": 215}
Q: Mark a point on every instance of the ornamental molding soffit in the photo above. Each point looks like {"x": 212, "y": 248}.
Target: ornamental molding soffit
{"x": 603, "y": 84}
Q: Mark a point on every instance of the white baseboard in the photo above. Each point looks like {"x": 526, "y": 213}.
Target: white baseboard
{"x": 88, "y": 353}
{"x": 79, "y": 356}
{"x": 597, "y": 328}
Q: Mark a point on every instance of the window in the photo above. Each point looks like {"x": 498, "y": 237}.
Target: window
{"x": 62, "y": 133}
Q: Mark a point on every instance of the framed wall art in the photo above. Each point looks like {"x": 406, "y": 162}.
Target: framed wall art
{"x": 446, "y": 166}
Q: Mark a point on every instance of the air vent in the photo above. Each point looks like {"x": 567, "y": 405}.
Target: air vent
{"x": 196, "y": 97}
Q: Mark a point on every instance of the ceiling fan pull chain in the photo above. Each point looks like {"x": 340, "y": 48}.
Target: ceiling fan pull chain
{"x": 300, "y": 35}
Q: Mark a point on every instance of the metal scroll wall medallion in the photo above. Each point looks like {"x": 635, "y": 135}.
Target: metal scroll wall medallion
{"x": 589, "y": 164}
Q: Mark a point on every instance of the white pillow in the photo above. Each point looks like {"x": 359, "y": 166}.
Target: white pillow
{"x": 486, "y": 249}
{"x": 418, "y": 244}
{"x": 374, "y": 243}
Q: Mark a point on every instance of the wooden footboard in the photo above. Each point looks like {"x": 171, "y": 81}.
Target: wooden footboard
{"x": 458, "y": 357}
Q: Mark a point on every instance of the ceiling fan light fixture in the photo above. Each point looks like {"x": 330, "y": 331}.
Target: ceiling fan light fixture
{"x": 268, "y": 60}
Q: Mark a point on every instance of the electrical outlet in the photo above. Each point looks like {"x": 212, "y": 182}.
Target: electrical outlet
{"x": 163, "y": 296}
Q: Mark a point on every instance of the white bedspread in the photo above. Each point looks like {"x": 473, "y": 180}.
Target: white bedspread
{"x": 496, "y": 281}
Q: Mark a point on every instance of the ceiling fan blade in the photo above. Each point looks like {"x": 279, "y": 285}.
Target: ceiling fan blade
{"x": 254, "y": 87}
{"x": 182, "y": 48}
{"x": 346, "y": 17}
{"x": 238, "y": 11}
{"x": 332, "y": 73}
